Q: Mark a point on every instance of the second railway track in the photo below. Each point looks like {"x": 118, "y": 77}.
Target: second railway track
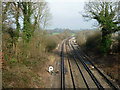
{"x": 75, "y": 73}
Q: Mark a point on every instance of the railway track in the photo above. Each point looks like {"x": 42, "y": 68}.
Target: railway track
{"x": 62, "y": 68}
{"x": 70, "y": 65}
{"x": 103, "y": 75}
{"x": 87, "y": 69}
{"x": 78, "y": 71}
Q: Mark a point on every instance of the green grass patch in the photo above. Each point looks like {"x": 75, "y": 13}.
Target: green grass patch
{"x": 55, "y": 33}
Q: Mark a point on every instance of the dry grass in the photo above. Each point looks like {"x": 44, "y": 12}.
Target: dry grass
{"x": 81, "y": 38}
{"x": 22, "y": 65}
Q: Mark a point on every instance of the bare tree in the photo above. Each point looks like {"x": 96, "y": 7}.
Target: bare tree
{"x": 41, "y": 14}
{"x": 35, "y": 15}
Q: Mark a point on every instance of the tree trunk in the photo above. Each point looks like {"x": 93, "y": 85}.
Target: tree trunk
{"x": 106, "y": 41}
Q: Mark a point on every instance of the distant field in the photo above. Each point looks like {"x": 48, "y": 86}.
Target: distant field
{"x": 73, "y": 34}
{"x": 55, "y": 33}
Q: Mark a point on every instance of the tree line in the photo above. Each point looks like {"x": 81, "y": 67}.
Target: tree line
{"x": 24, "y": 17}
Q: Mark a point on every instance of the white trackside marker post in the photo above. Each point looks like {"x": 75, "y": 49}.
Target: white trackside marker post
{"x": 51, "y": 69}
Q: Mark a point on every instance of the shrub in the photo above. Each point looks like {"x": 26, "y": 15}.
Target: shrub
{"x": 81, "y": 39}
{"x": 51, "y": 43}
{"x": 89, "y": 39}
{"x": 93, "y": 41}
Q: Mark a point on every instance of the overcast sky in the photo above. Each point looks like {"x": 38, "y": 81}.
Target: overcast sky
{"x": 68, "y": 14}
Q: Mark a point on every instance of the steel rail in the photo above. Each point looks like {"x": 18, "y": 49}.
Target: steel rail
{"x": 87, "y": 69}
{"x": 70, "y": 66}
{"x": 62, "y": 68}
{"x": 106, "y": 79}
{"x": 79, "y": 68}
